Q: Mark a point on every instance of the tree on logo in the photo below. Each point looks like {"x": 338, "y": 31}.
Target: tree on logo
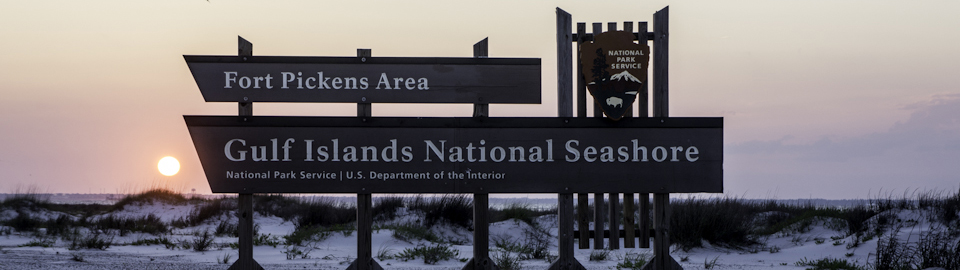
{"x": 600, "y": 67}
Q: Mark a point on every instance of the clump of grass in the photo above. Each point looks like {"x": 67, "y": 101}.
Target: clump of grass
{"x": 90, "y": 241}
{"x": 77, "y": 257}
{"x": 23, "y": 222}
{"x": 385, "y": 252}
{"x": 202, "y": 240}
{"x": 225, "y": 259}
{"x": 891, "y": 253}
{"x": 518, "y": 211}
{"x": 40, "y": 242}
{"x": 710, "y": 264}
{"x": 301, "y": 236}
{"x": 148, "y": 224}
{"x": 306, "y": 213}
{"x": 599, "y": 255}
{"x": 162, "y": 240}
{"x": 152, "y": 196}
{"x": 535, "y": 244}
{"x": 60, "y": 225}
{"x": 634, "y": 260}
{"x": 266, "y": 240}
{"x": 430, "y": 254}
{"x": 507, "y": 260}
{"x": 738, "y": 223}
{"x": 26, "y": 197}
{"x": 725, "y": 222}
{"x": 385, "y": 208}
{"x": 410, "y": 232}
{"x": 829, "y": 264}
{"x": 456, "y": 209}
{"x": 856, "y": 218}
{"x": 937, "y": 248}
{"x": 537, "y": 241}
{"x": 227, "y": 228}
{"x": 204, "y": 212}
{"x": 294, "y": 252}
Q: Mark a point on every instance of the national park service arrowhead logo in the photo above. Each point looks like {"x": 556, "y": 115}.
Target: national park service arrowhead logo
{"x": 614, "y": 68}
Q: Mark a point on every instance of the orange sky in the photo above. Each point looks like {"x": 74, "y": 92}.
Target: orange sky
{"x": 830, "y": 99}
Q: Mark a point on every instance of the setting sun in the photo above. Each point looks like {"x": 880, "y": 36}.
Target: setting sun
{"x": 168, "y": 166}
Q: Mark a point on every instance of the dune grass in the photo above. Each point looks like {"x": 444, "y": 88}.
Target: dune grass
{"x": 157, "y": 195}
{"x": 455, "y": 209}
{"x": 728, "y": 222}
{"x": 738, "y": 223}
{"x": 518, "y": 211}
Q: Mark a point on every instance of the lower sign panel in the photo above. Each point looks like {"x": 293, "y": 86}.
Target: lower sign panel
{"x": 458, "y": 155}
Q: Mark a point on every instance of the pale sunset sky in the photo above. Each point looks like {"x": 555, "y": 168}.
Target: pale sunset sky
{"x": 820, "y": 99}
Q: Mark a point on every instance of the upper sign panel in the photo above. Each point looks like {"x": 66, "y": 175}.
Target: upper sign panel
{"x": 366, "y": 80}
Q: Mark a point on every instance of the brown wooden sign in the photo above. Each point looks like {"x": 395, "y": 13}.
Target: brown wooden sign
{"x": 366, "y": 79}
{"x": 614, "y": 68}
{"x": 458, "y": 155}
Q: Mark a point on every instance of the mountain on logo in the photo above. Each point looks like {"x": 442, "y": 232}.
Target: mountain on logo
{"x": 624, "y": 76}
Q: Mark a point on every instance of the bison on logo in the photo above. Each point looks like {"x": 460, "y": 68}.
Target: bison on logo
{"x": 614, "y": 68}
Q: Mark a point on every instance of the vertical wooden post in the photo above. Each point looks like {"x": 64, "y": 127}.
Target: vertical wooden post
{"x": 582, "y": 198}
{"x": 643, "y": 96}
{"x": 565, "y": 259}
{"x": 481, "y": 201}
{"x": 564, "y": 65}
{"x": 628, "y": 27}
{"x": 628, "y": 221}
{"x": 565, "y": 232}
{"x": 481, "y": 109}
{"x": 643, "y": 222}
{"x": 245, "y": 259}
{"x": 598, "y": 226}
{"x": 364, "y": 108}
{"x": 643, "y": 110}
{"x": 581, "y": 82}
{"x": 614, "y": 198}
{"x": 598, "y": 221}
{"x": 661, "y": 47}
{"x": 481, "y": 234}
{"x": 583, "y": 221}
{"x": 244, "y": 49}
{"x": 364, "y": 259}
{"x": 597, "y": 112}
{"x": 661, "y": 201}
{"x": 614, "y": 222}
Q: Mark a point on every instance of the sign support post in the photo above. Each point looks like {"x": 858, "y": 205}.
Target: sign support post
{"x": 613, "y": 241}
{"x": 481, "y": 201}
{"x": 583, "y": 199}
{"x": 245, "y": 232}
{"x": 598, "y": 209}
{"x": 661, "y": 201}
{"x": 364, "y": 259}
{"x": 643, "y": 111}
{"x": 565, "y": 258}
